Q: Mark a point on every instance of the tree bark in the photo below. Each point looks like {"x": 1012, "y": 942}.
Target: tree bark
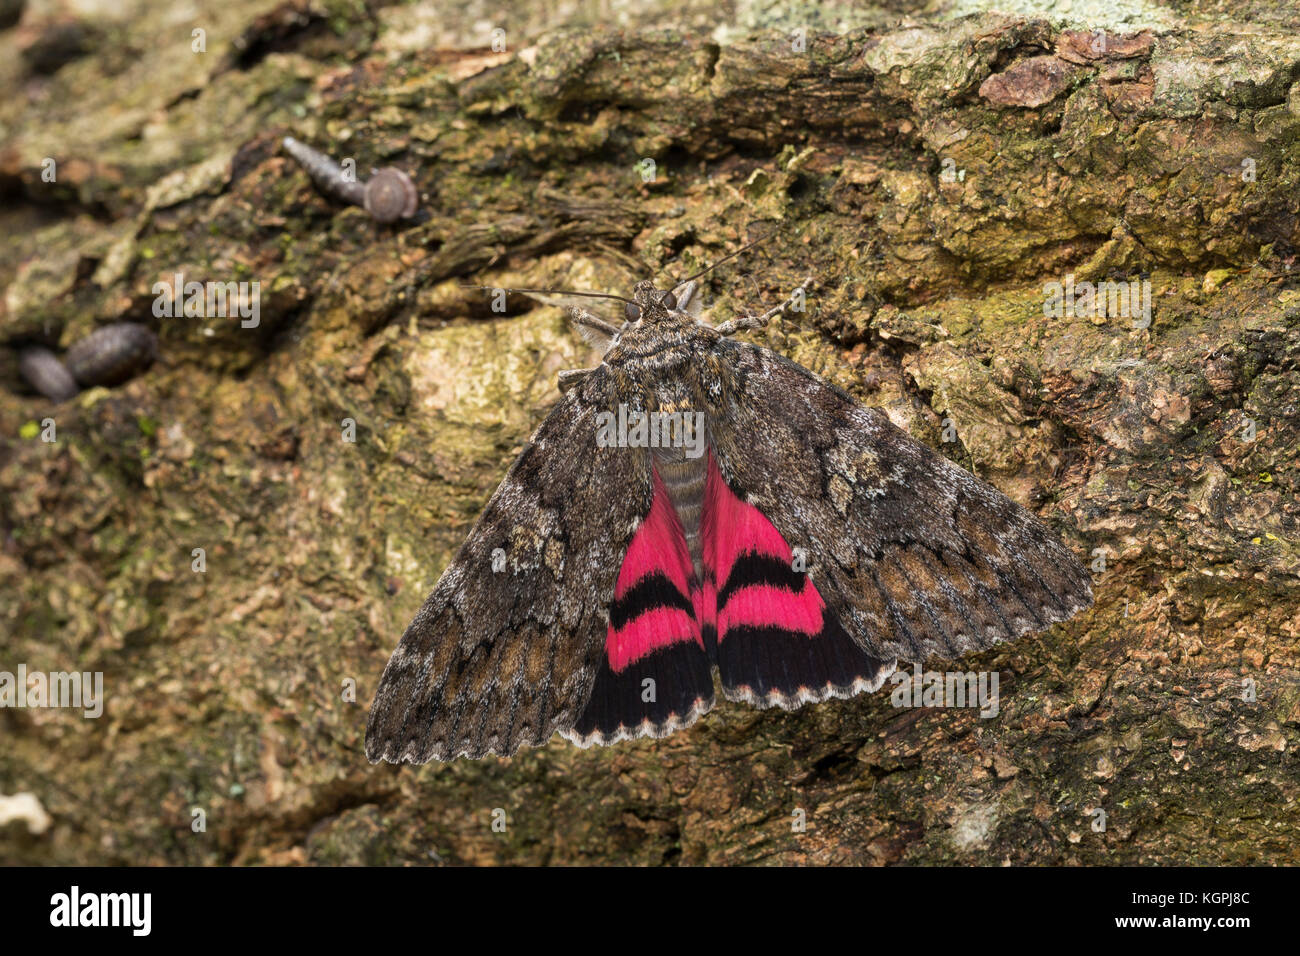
{"x": 936, "y": 176}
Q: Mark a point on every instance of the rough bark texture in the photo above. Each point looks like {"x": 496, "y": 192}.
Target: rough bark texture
{"x": 934, "y": 171}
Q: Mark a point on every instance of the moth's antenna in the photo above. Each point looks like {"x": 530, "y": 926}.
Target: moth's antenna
{"x": 725, "y": 258}
{"x": 589, "y": 295}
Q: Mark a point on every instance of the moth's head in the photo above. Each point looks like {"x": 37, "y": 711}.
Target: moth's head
{"x": 650, "y": 304}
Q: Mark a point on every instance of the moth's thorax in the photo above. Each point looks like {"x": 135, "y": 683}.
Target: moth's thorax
{"x": 671, "y": 337}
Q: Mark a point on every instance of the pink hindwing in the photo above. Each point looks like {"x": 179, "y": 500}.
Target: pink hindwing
{"x": 651, "y": 608}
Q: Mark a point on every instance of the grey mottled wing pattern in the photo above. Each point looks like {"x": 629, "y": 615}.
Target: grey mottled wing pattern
{"x": 496, "y": 660}
{"x": 916, "y": 556}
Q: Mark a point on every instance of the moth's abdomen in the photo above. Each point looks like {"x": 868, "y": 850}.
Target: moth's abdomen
{"x": 684, "y": 480}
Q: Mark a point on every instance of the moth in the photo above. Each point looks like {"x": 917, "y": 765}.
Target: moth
{"x": 698, "y": 504}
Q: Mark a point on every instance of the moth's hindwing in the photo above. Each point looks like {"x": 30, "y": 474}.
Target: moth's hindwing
{"x": 505, "y": 650}
{"x": 777, "y": 643}
{"x": 655, "y": 675}
{"x": 912, "y": 555}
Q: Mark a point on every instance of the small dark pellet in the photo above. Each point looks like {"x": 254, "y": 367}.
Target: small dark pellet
{"x": 112, "y": 354}
{"x": 45, "y": 373}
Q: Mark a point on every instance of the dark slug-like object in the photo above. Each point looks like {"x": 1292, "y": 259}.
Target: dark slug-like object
{"x": 45, "y": 373}
{"x": 108, "y": 356}
{"x": 111, "y": 354}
